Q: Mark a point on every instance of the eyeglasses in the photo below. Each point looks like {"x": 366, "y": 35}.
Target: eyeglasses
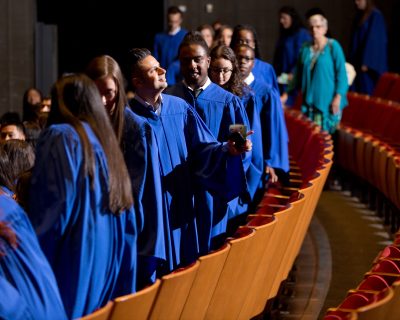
{"x": 224, "y": 71}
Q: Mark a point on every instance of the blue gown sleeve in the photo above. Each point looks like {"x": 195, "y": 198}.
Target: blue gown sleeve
{"x": 216, "y": 169}
{"x": 275, "y": 135}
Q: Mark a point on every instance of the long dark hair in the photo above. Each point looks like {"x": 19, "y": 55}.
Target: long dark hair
{"x": 104, "y": 66}
{"x": 235, "y": 84}
{"x": 30, "y": 111}
{"x": 20, "y": 158}
{"x": 362, "y": 15}
{"x": 297, "y": 23}
{"x": 75, "y": 98}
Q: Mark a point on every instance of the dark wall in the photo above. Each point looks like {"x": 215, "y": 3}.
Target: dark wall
{"x": 92, "y": 27}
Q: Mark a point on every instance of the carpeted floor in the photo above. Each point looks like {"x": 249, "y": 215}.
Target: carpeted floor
{"x": 356, "y": 235}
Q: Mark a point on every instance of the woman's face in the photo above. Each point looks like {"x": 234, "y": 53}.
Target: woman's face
{"x": 285, "y": 20}
{"x": 220, "y": 71}
{"x": 108, "y": 91}
{"x": 208, "y": 36}
{"x": 317, "y": 26}
{"x": 247, "y": 37}
{"x": 361, "y": 4}
{"x": 226, "y": 36}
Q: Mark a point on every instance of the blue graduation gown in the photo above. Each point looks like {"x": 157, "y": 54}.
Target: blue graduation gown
{"x": 166, "y": 47}
{"x": 144, "y": 171}
{"x": 91, "y": 250}
{"x": 219, "y": 109}
{"x": 285, "y": 56}
{"x": 275, "y": 137}
{"x": 287, "y": 50}
{"x": 369, "y": 48}
{"x": 174, "y": 75}
{"x": 14, "y": 307}
{"x": 265, "y": 71}
{"x": 188, "y": 157}
{"x": 29, "y": 288}
{"x": 255, "y": 170}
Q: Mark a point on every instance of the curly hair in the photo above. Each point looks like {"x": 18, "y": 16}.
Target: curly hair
{"x": 235, "y": 84}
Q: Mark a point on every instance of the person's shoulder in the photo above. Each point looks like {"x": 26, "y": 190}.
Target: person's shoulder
{"x": 11, "y": 210}
{"x": 263, "y": 64}
{"x": 334, "y": 43}
{"x": 60, "y": 131}
{"x": 133, "y": 122}
{"x": 177, "y": 103}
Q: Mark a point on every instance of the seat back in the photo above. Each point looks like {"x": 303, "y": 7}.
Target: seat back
{"x": 101, "y": 314}
{"x": 204, "y": 283}
{"x": 232, "y": 284}
{"x": 173, "y": 292}
{"x": 136, "y": 305}
{"x": 384, "y": 84}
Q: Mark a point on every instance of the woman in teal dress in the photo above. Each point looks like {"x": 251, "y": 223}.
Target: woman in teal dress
{"x": 321, "y": 76}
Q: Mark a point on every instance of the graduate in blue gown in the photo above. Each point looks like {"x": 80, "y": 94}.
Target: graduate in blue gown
{"x": 187, "y": 157}
{"x": 133, "y": 135}
{"x": 272, "y": 125}
{"x": 225, "y": 72}
{"x": 219, "y": 109}
{"x": 246, "y": 34}
{"x": 368, "y": 51}
{"x": 166, "y": 43}
{"x": 27, "y": 284}
{"x": 292, "y": 35}
{"x": 80, "y": 200}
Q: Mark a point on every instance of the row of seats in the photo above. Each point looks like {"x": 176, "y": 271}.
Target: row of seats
{"x": 368, "y": 149}
{"x": 368, "y": 152}
{"x": 388, "y": 87}
{"x": 236, "y": 281}
{"x": 378, "y": 293}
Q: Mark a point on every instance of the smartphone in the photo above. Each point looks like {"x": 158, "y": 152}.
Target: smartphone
{"x": 237, "y": 133}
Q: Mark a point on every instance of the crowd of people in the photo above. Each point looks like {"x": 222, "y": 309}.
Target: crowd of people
{"x": 101, "y": 194}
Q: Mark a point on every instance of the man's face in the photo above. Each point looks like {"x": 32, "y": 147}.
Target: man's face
{"x": 11, "y": 132}
{"x": 174, "y": 21}
{"x": 152, "y": 75}
{"x": 194, "y": 64}
{"x": 245, "y": 57}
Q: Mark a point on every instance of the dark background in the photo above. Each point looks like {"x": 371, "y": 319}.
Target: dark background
{"x": 93, "y": 27}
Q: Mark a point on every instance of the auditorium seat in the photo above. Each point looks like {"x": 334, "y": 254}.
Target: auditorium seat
{"x": 136, "y": 305}
{"x": 204, "y": 283}
{"x": 233, "y": 283}
{"x": 100, "y": 314}
{"x": 173, "y": 291}
{"x": 384, "y": 84}
{"x": 265, "y": 228}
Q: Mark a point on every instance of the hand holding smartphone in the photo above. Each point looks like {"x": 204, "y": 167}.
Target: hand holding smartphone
{"x": 238, "y": 134}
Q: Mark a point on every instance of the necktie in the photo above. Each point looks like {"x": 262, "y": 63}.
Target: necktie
{"x": 196, "y": 92}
